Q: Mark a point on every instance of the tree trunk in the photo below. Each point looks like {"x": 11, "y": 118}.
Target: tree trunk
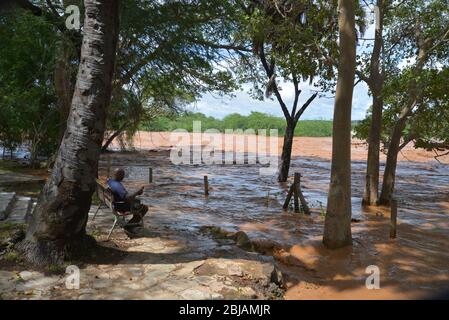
{"x": 370, "y": 196}
{"x": 415, "y": 93}
{"x": 58, "y": 225}
{"x": 62, "y": 88}
{"x": 337, "y": 228}
{"x": 286, "y": 151}
{"x": 392, "y": 160}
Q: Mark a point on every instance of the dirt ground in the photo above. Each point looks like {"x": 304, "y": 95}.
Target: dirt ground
{"x": 302, "y": 146}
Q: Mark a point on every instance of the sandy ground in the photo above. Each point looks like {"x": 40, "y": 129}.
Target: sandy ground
{"x": 302, "y": 146}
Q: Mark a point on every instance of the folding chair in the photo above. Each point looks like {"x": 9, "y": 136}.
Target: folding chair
{"x": 106, "y": 197}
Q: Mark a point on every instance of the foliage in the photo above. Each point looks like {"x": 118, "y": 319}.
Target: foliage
{"x": 27, "y": 99}
{"x": 159, "y": 74}
{"x": 428, "y": 126}
{"x": 255, "y": 120}
{"x": 155, "y": 74}
{"x": 404, "y": 29}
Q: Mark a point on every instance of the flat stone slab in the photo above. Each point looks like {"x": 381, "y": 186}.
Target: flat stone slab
{"x": 20, "y": 210}
{"x": 165, "y": 265}
{"x": 6, "y": 202}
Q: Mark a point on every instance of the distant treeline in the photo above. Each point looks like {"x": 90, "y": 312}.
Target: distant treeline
{"x": 256, "y": 120}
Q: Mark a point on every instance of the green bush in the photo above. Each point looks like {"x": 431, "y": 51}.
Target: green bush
{"x": 255, "y": 120}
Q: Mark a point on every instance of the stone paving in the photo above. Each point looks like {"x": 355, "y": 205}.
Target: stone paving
{"x": 164, "y": 264}
{"x": 6, "y": 201}
{"x": 15, "y": 208}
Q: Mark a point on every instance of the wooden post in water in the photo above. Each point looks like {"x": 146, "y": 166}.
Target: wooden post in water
{"x": 393, "y": 218}
{"x": 296, "y": 191}
{"x": 304, "y": 204}
{"x": 289, "y": 196}
{"x": 150, "y": 175}
{"x": 206, "y": 186}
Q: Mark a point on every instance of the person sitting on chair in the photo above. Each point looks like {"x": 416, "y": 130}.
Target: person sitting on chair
{"x": 125, "y": 202}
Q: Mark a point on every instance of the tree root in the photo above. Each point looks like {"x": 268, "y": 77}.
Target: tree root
{"x": 44, "y": 253}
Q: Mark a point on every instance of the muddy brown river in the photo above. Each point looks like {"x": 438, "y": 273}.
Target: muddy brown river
{"x": 415, "y": 265}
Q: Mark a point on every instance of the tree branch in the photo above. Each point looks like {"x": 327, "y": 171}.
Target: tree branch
{"x": 305, "y": 106}
{"x": 270, "y": 72}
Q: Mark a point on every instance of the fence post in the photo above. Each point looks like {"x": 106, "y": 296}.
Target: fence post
{"x": 296, "y": 191}
{"x": 304, "y": 204}
{"x": 393, "y": 218}
{"x": 206, "y": 186}
{"x": 289, "y": 196}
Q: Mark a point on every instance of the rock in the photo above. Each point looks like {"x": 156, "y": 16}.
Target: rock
{"x": 7, "y": 282}
{"x": 187, "y": 269}
{"x": 204, "y": 280}
{"x": 38, "y": 283}
{"x": 242, "y": 241}
{"x": 102, "y": 283}
{"x": 152, "y": 277}
{"x": 177, "y": 285}
{"x": 195, "y": 294}
{"x": 28, "y": 275}
{"x": 158, "y": 295}
{"x": 277, "y": 277}
{"x": 248, "y": 292}
{"x": 235, "y": 270}
{"x": 216, "y": 232}
{"x": 216, "y": 296}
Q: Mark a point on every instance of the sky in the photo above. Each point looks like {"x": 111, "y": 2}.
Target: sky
{"x": 320, "y": 109}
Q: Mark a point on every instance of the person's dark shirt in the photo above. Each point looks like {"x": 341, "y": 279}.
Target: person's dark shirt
{"x": 119, "y": 193}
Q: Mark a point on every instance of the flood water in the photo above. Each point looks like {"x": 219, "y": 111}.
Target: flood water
{"x": 416, "y": 264}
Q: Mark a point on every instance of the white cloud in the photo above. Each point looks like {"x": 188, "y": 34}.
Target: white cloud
{"x": 242, "y": 103}
{"x": 321, "y": 108}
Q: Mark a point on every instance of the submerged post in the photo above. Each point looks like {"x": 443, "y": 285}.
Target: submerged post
{"x": 289, "y": 196}
{"x": 393, "y": 218}
{"x": 150, "y": 175}
{"x": 206, "y": 186}
{"x": 304, "y": 204}
{"x": 296, "y": 191}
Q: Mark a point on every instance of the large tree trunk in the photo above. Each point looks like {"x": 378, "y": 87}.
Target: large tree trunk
{"x": 392, "y": 160}
{"x": 415, "y": 93}
{"x": 58, "y": 225}
{"x": 286, "y": 151}
{"x": 63, "y": 89}
{"x": 337, "y": 228}
{"x": 370, "y": 196}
